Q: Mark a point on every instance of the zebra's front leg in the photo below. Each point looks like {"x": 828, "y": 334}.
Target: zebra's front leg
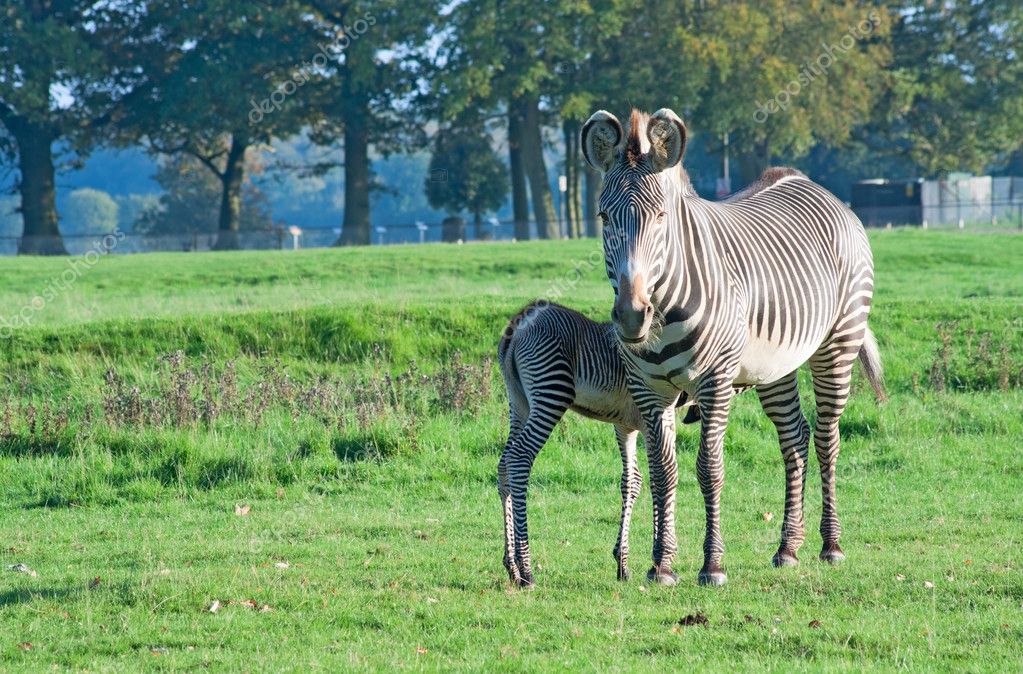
{"x": 780, "y": 401}
{"x": 631, "y": 484}
{"x": 659, "y": 418}
{"x": 715, "y": 398}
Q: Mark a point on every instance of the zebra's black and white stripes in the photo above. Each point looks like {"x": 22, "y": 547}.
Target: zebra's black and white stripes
{"x": 554, "y": 359}
{"x": 715, "y": 296}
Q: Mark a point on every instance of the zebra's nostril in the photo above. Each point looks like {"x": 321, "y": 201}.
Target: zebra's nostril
{"x": 648, "y": 309}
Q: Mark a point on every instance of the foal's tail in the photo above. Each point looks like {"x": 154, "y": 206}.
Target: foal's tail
{"x": 870, "y": 358}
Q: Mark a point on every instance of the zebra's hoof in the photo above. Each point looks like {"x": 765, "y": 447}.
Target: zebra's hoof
{"x": 833, "y": 554}
{"x": 784, "y": 558}
{"x": 623, "y": 574}
{"x": 665, "y": 577}
{"x": 526, "y": 583}
{"x": 713, "y": 578}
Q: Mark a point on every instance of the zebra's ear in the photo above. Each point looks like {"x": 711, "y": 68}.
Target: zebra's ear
{"x": 667, "y": 135}
{"x": 602, "y": 138}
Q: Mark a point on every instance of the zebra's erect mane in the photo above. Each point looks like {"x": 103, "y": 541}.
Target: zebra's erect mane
{"x": 637, "y": 145}
{"x": 770, "y": 177}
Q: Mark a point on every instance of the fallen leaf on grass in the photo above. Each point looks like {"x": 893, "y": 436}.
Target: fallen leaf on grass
{"x": 282, "y": 565}
{"x": 242, "y": 510}
{"x": 768, "y": 517}
{"x": 95, "y": 582}
{"x": 25, "y": 645}
{"x": 21, "y": 568}
{"x": 215, "y": 606}
{"x": 421, "y": 651}
{"x": 929, "y": 585}
{"x": 694, "y": 619}
{"x": 815, "y": 624}
{"x": 251, "y": 603}
{"x": 158, "y": 650}
{"x": 432, "y": 600}
{"x": 899, "y": 577}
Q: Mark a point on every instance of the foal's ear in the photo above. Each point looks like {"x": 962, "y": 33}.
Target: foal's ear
{"x": 667, "y": 135}
{"x": 602, "y": 138}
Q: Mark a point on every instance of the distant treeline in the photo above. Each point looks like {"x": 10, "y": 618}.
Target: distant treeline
{"x": 495, "y": 90}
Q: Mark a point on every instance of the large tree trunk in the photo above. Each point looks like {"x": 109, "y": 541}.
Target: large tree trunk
{"x": 355, "y": 231}
{"x": 755, "y": 162}
{"x": 520, "y": 199}
{"x": 41, "y": 235}
{"x": 573, "y": 201}
{"x": 594, "y": 227}
{"x": 536, "y": 171}
{"x": 232, "y": 180}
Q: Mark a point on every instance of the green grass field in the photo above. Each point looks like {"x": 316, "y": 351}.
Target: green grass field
{"x": 320, "y": 461}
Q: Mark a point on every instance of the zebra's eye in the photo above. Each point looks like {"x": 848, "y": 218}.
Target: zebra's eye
{"x": 603, "y": 217}
{"x": 660, "y": 216}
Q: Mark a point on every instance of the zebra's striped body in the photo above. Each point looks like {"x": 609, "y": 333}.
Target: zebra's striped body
{"x": 715, "y": 296}
{"x": 554, "y": 359}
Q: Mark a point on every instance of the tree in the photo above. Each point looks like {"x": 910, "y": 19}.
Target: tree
{"x": 806, "y": 72}
{"x": 957, "y": 98}
{"x": 62, "y": 77}
{"x": 190, "y": 199}
{"x": 227, "y": 76}
{"x": 90, "y": 212}
{"x": 508, "y": 54}
{"x": 378, "y": 50}
{"x": 465, "y": 174}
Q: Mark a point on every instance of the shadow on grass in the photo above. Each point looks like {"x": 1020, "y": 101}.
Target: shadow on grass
{"x": 18, "y": 597}
{"x": 20, "y": 446}
{"x": 365, "y": 447}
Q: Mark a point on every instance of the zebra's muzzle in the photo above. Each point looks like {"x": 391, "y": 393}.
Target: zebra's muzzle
{"x": 632, "y": 313}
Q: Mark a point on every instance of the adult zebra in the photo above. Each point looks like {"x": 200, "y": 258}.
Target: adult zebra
{"x": 711, "y": 298}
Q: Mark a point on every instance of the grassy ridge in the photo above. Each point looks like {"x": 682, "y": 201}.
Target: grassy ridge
{"x": 375, "y": 542}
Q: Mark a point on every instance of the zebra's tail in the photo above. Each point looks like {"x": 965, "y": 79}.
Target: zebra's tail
{"x": 870, "y": 358}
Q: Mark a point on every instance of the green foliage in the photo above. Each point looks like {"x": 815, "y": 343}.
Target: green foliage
{"x": 957, "y": 98}
{"x": 465, "y": 174}
{"x": 191, "y": 202}
{"x": 89, "y": 211}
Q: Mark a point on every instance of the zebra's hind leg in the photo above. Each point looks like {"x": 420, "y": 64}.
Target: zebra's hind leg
{"x": 632, "y": 482}
{"x": 832, "y": 371}
{"x": 780, "y": 401}
{"x": 516, "y": 422}
{"x": 516, "y": 464}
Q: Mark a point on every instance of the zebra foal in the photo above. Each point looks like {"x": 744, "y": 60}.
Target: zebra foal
{"x": 554, "y": 359}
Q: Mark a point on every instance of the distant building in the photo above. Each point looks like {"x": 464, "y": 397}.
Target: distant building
{"x": 959, "y": 200}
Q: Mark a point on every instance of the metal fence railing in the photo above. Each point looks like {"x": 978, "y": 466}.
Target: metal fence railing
{"x": 281, "y": 238}
{"x": 965, "y": 214}
{"x": 987, "y": 216}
